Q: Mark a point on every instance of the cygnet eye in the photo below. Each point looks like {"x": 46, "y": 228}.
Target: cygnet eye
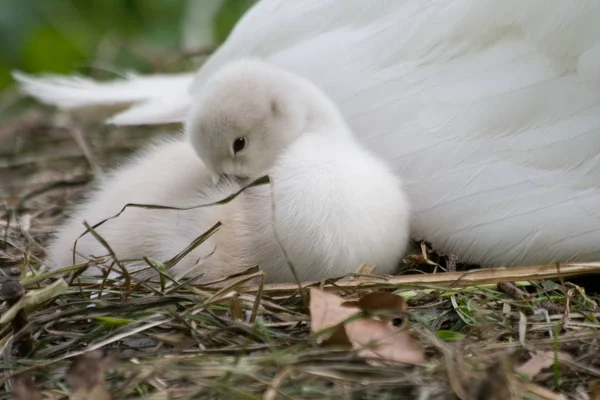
{"x": 239, "y": 144}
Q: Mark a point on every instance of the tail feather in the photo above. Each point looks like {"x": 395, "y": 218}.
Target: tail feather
{"x": 165, "y": 110}
{"x": 162, "y": 96}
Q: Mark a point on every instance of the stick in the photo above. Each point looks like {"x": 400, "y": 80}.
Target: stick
{"x": 447, "y": 279}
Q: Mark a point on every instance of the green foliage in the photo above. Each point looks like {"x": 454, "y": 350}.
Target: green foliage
{"x": 228, "y": 15}
{"x": 450, "y": 335}
{"x": 61, "y": 36}
{"x": 45, "y": 46}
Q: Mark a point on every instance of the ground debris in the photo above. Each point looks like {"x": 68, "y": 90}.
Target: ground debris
{"x": 373, "y": 335}
{"x": 183, "y": 341}
{"x": 86, "y": 375}
{"x": 23, "y": 388}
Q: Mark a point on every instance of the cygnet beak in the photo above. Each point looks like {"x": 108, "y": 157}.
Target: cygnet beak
{"x": 215, "y": 176}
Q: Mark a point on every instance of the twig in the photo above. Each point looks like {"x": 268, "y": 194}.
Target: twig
{"x": 260, "y": 181}
{"x": 64, "y": 121}
{"x": 447, "y": 279}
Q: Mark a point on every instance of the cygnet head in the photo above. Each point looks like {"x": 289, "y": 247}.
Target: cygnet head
{"x": 249, "y": 111}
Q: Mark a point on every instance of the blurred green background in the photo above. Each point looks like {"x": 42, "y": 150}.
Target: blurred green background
{"x": 97, "y": 37}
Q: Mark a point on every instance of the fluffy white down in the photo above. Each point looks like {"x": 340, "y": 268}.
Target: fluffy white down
{"x": 167, "y": 174}
{"x": 489, "y": 110}
{"x": 336, "y": 209}
{"x": 352, "y": 208}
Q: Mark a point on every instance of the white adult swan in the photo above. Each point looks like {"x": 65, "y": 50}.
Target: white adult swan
{"x": 337, "y": 206}
{"x": 489, "y": 110}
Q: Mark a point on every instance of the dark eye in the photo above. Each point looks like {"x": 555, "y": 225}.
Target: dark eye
{"x": 239, "y": 144}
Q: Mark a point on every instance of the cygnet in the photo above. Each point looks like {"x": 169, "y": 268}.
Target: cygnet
{"x": 336, "y": 205}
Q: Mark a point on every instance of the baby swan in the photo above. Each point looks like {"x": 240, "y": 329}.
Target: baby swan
{"x": 336, "y": 204}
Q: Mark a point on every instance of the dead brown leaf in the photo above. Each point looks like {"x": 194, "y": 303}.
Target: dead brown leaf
{"x": 414, "y": 259}
{"x": 23, "y": 388}
{"x": 236, "y": 307}
{"x": 540, "y": 360}
{"x": 380, "y": 302}
{"x": 326, "y": 311}
{"x": 497, "y": 383}
{"x": 86, "y": 376}
{"x": 594, "y": 390}
{"x": 373, "y": 338}
{"x": 337, "y": 338}
{"x": 377, "y": 339}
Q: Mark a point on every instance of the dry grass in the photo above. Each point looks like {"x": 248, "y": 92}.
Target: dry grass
{"x": 177, "y": 340}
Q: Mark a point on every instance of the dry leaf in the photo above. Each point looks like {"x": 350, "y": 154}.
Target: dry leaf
{"x": 337, "y": 338}
{"x": 539, "y": 361}
{"x": 23, "y": 388}
{"x": 380, "y": 301}
{"x": 236, "y": 307}
{"x": 34, "y": 298}
{"x": 373, "y": 338}
{"x": 594, "y": 389}
{"x": 414, "y": 259}
{"x": 326, "y": 311}
{"x": 86, "y": 376}
{"x": 377, "y": 339}
{"x": 498, "y": 383}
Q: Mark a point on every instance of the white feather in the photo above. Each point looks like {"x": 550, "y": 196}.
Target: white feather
{"x": 489, "y": 110}
{"x": 159, "y": 110}
{"x": 160, "y": 98}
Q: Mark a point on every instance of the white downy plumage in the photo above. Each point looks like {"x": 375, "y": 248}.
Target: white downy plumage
{"x": 336, "y": 205}
{"x": 489, "y": 110}
{"x": 169, "y": 174}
